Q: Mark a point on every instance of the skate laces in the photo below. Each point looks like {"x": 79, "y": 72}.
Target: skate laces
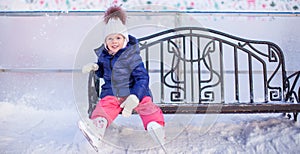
{"x": 100, "y": 125}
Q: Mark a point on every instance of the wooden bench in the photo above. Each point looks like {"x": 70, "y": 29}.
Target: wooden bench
{"x": 198, "y": 70}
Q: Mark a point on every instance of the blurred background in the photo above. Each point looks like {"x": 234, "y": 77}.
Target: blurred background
{"x": 44, "y": 43}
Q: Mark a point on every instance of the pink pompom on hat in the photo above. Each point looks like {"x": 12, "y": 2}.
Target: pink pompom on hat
{"x": 115, "y": 22}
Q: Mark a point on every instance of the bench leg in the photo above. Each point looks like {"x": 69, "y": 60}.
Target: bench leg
{"x": 295, "y": 116}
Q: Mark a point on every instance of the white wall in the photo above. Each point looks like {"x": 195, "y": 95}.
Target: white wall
{"x": 67, "y": 42}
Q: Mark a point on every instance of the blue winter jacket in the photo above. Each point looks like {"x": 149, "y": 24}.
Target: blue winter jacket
{"x": 124, "y": 73}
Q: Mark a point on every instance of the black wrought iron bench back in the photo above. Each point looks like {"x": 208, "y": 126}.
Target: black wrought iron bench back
{"x": 200, "y": 70}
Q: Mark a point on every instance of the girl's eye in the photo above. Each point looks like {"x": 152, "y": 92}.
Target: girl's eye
{"x": 118, "y": 38}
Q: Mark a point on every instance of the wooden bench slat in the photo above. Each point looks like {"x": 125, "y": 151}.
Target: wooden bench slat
{"x": 228, "y": 108}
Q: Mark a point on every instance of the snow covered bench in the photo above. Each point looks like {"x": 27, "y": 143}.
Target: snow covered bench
{"x": 199, "y": 70}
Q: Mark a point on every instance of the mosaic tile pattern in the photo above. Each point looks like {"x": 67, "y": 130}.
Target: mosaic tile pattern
{"x": 269, "y": 5}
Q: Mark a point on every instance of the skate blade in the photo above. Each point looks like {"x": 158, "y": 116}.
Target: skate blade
{"x": 90, "y": 137}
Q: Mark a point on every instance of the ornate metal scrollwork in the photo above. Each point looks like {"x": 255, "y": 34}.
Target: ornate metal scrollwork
{"x": 176, "y": 96}
{"x": 292, "y": 87}
{"x": 177, "y": 83}
{"x": 208, "y": 96}
{"x": 201, "y": 58}
{"x": 211, "y": 81}
{"x": 275, "y": 94}
{"x": 273, "y": 57}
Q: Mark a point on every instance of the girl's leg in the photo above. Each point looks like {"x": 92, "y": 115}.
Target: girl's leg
{"x": 108, "y": 107}
{"x": 149, "y": 112}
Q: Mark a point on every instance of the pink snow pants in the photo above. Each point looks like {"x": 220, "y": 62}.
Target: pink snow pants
{"x": 109, "y": 108}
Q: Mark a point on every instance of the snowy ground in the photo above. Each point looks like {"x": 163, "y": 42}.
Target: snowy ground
{"x": 25, "y": 129}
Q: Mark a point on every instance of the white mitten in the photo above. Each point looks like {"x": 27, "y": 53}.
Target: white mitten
{"x": 89, "y": 67}
{"x": 129, "y": 104}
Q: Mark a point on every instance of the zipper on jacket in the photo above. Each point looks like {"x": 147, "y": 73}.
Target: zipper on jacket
{"x": 110, "y": 62}
{"x": 112, "y": 79}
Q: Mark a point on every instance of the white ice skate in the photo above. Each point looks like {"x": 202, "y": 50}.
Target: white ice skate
{"x": 157, "y": 132}
{"x": 94, "y": 132}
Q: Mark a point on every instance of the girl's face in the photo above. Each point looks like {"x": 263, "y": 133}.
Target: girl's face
{"x": 114, "y": 42}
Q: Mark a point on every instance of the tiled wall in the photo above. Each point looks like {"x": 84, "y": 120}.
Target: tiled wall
{"x": 259, "y": 5}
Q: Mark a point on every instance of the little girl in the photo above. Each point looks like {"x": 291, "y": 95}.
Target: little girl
{"x": 126, "y": 81}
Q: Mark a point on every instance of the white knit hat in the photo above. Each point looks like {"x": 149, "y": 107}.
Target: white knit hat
{"x": 115, "y": 22}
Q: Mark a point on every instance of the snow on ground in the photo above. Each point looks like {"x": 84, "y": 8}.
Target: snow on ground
{"x": 25, "y": 129}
